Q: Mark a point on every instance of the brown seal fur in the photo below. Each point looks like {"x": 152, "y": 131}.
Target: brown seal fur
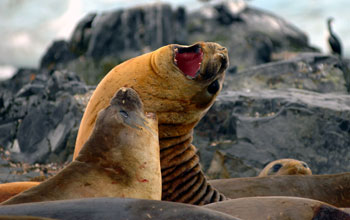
{"x": 169, "y": 86}
{"x": 120, "y": 158}
{"x": 332, "y": 189}
{"x": 278, "y": 208}
{"x": 7, "y": 190}
{"x": 286, "y": 167}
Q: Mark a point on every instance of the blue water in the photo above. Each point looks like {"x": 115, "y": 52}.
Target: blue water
{"x": 27, "y": 27}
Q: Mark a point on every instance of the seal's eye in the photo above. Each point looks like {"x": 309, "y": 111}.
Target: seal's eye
{"x": 276, "y": 167}
{"x": 214, "y": 87}
{"x": 124, "y": 113}
{"x": 305, "y": 165}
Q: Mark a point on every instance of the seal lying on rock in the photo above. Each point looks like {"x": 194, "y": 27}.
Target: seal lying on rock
{"x": 332, "y": 189}
{"x": 286, "y": 167}
{"x": 120, "y": 158}
{"x": 114, "y": 208}
{"x": 178, "y": 83}
{"x": 278, "y": 208}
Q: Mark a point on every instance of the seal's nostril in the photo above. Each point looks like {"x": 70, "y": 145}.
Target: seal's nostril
{"x": 224, "y": 61}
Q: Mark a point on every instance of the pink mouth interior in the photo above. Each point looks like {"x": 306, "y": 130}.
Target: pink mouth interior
{"x": 189, "y": 62}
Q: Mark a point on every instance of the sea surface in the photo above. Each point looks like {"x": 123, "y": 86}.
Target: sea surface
{"x": 28, "y": 27}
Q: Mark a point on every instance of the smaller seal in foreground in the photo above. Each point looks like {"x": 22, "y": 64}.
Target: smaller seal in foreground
{"x": 120, "y": 158}
{"x": 286, "y": 167}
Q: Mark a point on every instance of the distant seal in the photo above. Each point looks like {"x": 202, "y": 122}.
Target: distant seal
{"x": 286, "y": 167}
{"x": 332, "y": 189}
{"x": 179, "y": 83}
{"x": 120, "y": 158}
{"x": 278, "y": 207}
{"x": 114, "y": 208}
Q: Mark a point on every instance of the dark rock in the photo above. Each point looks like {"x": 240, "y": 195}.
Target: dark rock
{"x": 101, "y": 41}
{"x": 244, "y": 131}
{"x": 81, "y": 36}
{"x": 8, "y": 133}
{"x": 309, "y": 71}
{"x": 251, "y": 35}
{"x": 41, "y": 116}
{"x": 22, "y": 77}
{"x": 30, "y": 89}
{"x": 57, "y": 55}
{"x": 127, "y": 33}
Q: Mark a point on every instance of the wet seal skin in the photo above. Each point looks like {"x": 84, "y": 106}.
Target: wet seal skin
{"x": 120, "y": 158}
{"x": 286, "y": 167}
{"x": 279, "y": 208}
{"x": 179, "y": 83}
{"x": 114, "y": 208}
{"x": 333, "y": 189}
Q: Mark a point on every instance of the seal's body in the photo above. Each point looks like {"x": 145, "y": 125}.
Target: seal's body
{"x": 286, "y": 167}
{"x": 120, "y": 158}
{"x": 8, "y": 190}
{"x": 278, "y": 208}
{"x": 178, "y": 83}
{"x": 332, "y": 189}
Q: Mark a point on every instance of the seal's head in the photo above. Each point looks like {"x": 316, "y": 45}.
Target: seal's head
{"x": 196, "y": 72}
{"x": 286, "y": 167}
{"x": 201, "y": 61}
{"x": 117, "y": 123}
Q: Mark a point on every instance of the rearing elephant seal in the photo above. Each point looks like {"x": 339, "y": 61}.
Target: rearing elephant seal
{"x": 120, "y": 158}
{"x": 178, "y": 83}
{"x": 286, "y": 167}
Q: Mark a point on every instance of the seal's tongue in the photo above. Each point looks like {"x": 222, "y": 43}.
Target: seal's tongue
{"x": 189, "y": 61}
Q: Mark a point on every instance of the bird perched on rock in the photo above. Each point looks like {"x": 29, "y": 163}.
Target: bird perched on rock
{"x": 333, "y": 40}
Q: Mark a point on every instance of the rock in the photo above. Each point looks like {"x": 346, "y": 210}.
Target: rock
{"x": 309, "y": 71}
{"x": 19, "y": 79}
{"x": 243, "y": 131}
{"x": 127, "y": 33}
{"x": 80, "y": 38}
{"x": 101, "y": 41}
{"x": 57, "y": 55}
{"x": 41, "y": 116}
{"x": 251, "y": 35}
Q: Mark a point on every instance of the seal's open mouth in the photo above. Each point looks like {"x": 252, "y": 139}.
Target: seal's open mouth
{"x": 189, "y": 59}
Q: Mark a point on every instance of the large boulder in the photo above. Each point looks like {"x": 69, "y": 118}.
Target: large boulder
{"x": 251, "y": 35}
{"x": 244, "y": 130}
{"x": 101, "y": 41}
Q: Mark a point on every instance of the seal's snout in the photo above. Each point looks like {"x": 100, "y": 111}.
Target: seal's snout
{"x": 188, "y": 59}
{"x": 127, "y": 98}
